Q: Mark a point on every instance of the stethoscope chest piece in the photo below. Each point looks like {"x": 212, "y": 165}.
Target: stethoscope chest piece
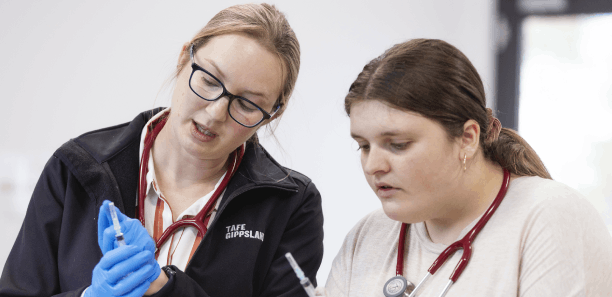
{"x": 398, "y": 286}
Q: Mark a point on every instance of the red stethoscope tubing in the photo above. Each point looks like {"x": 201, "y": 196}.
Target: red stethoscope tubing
{"x": 465, "y": 243}
{"x": 199, "y": 220}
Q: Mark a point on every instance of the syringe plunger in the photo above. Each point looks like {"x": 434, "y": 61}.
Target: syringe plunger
{"x": 295, "y": 266}
{"x": 304, "y": 281}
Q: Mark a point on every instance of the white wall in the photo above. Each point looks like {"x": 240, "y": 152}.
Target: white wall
{"x": 67, "y": 67}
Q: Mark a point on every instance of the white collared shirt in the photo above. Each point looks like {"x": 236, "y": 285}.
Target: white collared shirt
{"x": 179, "y": 248}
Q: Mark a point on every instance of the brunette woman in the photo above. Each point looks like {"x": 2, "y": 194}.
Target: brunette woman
{"x": 445, "y": 170}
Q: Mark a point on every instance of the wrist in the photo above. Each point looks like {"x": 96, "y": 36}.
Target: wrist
{"x": 158, "y": 283}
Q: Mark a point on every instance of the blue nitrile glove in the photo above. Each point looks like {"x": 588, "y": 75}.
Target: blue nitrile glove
{"x": 126, "y": 271}
{"x": 133, "y": 231}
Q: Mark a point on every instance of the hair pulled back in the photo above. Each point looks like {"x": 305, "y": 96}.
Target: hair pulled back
{"x": 269, "y": 27}
{"x": 436, "y": 80}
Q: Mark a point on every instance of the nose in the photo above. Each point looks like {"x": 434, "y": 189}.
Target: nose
{"x": 218, "y": 109}
{"x": 375, "y": 162}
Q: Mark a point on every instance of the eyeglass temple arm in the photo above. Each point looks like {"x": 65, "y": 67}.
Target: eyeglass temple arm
{"x": 278, "y": 107}
{"x": 191, "y": 52}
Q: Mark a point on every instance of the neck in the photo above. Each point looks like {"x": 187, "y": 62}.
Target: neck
{"x": 479, "y": 186}
{"x": 176, "y": 169}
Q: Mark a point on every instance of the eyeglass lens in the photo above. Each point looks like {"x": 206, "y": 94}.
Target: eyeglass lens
{"x": 207, "y": 87}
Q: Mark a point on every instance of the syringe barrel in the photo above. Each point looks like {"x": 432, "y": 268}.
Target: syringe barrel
{"x": 308, "y": 287}
{"x": 120, "y": 239}
{"x": 116, "y": 225}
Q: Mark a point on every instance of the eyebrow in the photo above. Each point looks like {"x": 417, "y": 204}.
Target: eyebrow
{"x": 211, "y": 62}
{"x": 391, "y": 133}
{"x": 386, "y": 133}
{"x": 254, "y": 93}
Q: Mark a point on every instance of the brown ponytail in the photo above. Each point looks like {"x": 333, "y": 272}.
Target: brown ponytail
{"x": 513, "y": 153}
{"x": 436, "y": 80}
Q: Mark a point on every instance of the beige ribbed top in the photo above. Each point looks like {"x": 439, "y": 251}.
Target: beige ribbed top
{"x": 545, "y": 239}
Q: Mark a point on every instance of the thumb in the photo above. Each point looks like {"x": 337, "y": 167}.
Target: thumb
{"x": 105, "y": 220}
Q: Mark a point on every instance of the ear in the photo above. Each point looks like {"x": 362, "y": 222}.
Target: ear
{"x": 184, "y": 56}
{"x": 470, "y": 139}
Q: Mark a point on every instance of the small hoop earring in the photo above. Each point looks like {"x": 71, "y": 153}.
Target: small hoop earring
{"x": 464, "y": 162}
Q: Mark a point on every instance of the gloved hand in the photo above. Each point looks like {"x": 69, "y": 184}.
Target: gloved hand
{"x": 133, "y": 231}
{"x": 125, "y": 271}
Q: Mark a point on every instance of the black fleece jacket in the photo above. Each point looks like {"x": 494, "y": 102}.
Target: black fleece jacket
{"x": 56, "y": 249}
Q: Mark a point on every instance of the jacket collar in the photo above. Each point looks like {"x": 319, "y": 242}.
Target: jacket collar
{"x": 105, "y": 143}
{"x": 259, "y": 168}
{"x": 118, "y": 146}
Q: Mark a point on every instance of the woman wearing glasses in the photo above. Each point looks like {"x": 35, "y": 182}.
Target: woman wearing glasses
{"x": 197, "y": 195}
{"x": 456, "y": 186}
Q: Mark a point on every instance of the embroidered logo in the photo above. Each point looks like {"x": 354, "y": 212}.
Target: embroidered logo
{"x": 240, "y": 230}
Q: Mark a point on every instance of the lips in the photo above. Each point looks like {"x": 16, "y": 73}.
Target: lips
{"x": 384, "y": 190}
{"x": 202, "y": 132}
{"x": 384, "y": 186}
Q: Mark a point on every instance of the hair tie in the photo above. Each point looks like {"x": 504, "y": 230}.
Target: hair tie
{"x": 494, "y": 127}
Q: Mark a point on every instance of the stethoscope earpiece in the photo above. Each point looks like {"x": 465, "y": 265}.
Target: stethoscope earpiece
{"x": 398, "y": 286}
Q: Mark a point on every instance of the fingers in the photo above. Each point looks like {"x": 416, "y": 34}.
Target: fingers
{"x": 131, "y": 266}
{"x": 104, "y": 220}
{"x": 115, "y": 256}
{"x": 136, "y": 234}
{"x": 109, "y": 238}
{"x": 128, "y": 270}
{"x": 144, "y": 275}
{"x": 104, "y": 217}
{"x": 137, "y": 282}
{"x": 132, "y": 230}
{"x": 141, "y": 272}
{"x": 106, "y": 239}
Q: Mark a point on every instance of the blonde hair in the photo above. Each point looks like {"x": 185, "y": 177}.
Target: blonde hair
{"x": 269, "y": 27}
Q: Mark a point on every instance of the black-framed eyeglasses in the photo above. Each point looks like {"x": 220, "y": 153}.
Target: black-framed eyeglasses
{"x": 210, "y": 88}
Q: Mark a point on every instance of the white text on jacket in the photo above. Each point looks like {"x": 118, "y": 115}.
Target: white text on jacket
{"x": 240, "y": 230}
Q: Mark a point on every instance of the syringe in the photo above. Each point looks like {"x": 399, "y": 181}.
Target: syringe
{"x": 116, "y": 225}
{"x": 304, "y": 281}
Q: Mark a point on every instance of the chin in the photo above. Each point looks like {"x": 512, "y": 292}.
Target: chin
{"x": 392, "y": 211}
{"x": 400, "y": 214}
